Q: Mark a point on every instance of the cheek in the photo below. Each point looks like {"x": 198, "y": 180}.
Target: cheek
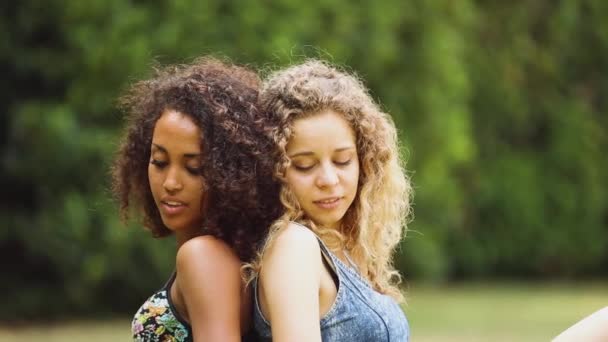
{"x": 154, "y": 179}
{"x": 353, "y": 178}
{"x": 297, "y": 184}
{"x": 197, "y": 189}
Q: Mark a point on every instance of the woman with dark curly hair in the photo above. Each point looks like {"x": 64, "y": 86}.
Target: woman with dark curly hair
{"x": 192, "y": 161}
{"x": 346, "y": 199}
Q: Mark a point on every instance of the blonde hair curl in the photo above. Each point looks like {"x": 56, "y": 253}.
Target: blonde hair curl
{"x": 377, "y": 219}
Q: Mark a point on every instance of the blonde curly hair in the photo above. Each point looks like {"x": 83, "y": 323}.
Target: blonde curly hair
{"x": 376, "y": 220}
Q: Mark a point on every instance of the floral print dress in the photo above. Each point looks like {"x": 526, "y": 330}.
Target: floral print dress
{"x": 157, "y": 319}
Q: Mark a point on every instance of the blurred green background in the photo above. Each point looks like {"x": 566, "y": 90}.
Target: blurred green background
{"x": 501, "y": 108}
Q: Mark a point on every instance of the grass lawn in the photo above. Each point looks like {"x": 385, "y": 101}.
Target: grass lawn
{"x": 468, "y": 312}
{"x": 91, "y": 331}
{"x": 499, "y": 312}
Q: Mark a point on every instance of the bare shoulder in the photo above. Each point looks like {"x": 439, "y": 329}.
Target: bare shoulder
{"x": 292, "y": 265}
{"x": 209, "y": 284}
{"x": 296, "y": 234}
{"x": 294, "y": 240}
{"x": 295, "y": 252}
{"x": 206, "y": 268}
{"x": 206, "y": 251}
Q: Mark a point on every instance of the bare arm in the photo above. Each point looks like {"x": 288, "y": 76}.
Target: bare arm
{"x": 209, "y": 281}
{"x": 593, "y": 328}
{"x": 289, "y": 282}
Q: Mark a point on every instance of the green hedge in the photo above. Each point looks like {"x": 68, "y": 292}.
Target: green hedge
{"x": 501, "y": 108}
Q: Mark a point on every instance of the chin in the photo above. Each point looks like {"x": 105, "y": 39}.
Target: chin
{"x": 328, "y": 220}
{"x": 172, "y": 226}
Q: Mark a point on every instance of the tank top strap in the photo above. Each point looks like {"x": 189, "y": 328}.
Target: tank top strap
{"x": 324, "y": 249}
{"x": 169, "y": 282}
{"x": 327, "y": 254}
{"x": 351, "y": 263}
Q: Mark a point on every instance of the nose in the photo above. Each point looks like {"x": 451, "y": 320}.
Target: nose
{"x": 327, "y": 177}
{"x": 172, "y": 182}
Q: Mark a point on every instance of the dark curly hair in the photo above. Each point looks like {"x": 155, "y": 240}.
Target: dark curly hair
{"x": 221, "y": 99}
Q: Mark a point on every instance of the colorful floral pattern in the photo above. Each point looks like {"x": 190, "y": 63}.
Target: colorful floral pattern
{"x": 155, "y": 322}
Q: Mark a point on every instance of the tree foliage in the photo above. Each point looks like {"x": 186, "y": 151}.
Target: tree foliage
{"x": 501, "y": 108}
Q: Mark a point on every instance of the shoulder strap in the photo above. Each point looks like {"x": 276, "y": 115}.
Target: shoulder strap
{"x": 329, "y": 260}
{"x": 350, "y": 261}
{"x": 327, "y": 254}
{"x": 328, "y": 257}
{"x": 169, "y": 282}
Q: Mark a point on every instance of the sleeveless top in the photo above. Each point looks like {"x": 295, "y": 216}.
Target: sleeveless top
{"x": 157, "y": 320}
{"x": 359, "y": 313}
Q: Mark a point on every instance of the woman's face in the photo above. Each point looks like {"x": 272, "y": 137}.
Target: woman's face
{"x": 324, "y": 170}
{"x": 174, "y": 171}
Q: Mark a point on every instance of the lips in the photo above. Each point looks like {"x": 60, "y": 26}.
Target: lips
{"x": 328, "y": 203}
{"x": 172, "y": 206}
{"x": 173, "y": 203}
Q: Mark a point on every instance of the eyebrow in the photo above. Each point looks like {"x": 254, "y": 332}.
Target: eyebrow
{"x": 186, "y": 155}
{"x": 310, "y": 153}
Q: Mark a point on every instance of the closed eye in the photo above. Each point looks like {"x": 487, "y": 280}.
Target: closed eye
{"x": 302, "y": 168}
{"x": 343, "y": 163}
{"x": 158, "y": 163}
{"x": 195, "y": 171}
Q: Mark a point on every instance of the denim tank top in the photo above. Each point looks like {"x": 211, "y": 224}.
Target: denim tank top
{"x": 358, "y": 314}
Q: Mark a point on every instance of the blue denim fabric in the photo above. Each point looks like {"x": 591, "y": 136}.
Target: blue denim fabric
{"x": 359, "y": 313}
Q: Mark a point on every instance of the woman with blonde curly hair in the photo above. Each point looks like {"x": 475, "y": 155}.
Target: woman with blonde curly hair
{"x": 325, "y": 272}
